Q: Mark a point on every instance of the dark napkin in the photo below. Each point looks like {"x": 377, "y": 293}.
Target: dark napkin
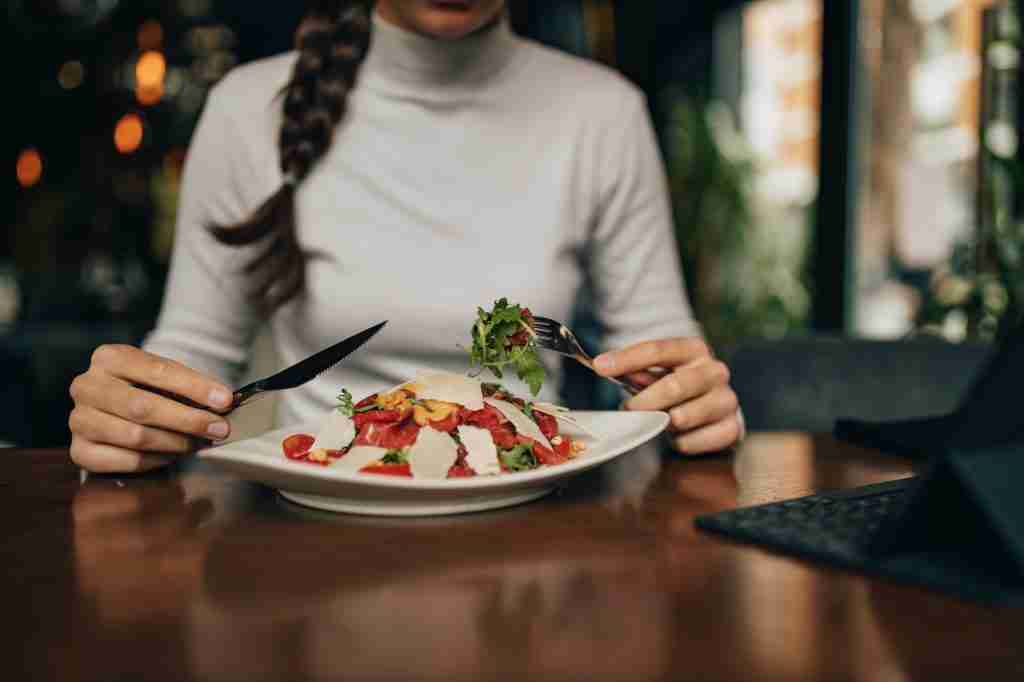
{"x": 989, "y": 414}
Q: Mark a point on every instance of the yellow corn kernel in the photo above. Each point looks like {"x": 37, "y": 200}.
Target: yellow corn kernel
{"x": 395, "y": 400}
{"x": 432, "y": 411}
{"x": 318, "y": 455}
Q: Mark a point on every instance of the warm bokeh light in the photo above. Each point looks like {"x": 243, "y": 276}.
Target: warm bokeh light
{"x": 71, "y": 75}
{"x": 151, "y": 35}
{"x": 150, "y": 95}
{"x": 29, "y": 167}
{"x": 150, "y": 70}
{"x": 128, "y": 133}
{"x": 149, "y": 78}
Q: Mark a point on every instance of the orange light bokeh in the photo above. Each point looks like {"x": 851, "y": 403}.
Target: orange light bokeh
{"x": 129, "y": 133}
{"x": 150, "y": 70}
{"x": 149, "y": 78}
{"x": 151, "y": 35}
{"x": 148, "y": 96}
{"x": 29, "y": 167}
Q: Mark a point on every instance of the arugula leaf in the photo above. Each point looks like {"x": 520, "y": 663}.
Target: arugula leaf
{"x": 519, "y": 458}
{"x": 395, "y": 457}
{"x": 345, "y": 403}
{"x": 504, "y": 336}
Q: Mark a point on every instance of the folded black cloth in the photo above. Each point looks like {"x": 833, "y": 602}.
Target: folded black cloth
{"x": 989, "y": 414}
{"x": 917, "y": 438}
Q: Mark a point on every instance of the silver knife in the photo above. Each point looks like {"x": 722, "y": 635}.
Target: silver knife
{"x": 305, "y": 370}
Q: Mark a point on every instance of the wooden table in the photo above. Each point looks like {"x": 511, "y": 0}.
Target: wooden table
{"x": 194, "y": 575}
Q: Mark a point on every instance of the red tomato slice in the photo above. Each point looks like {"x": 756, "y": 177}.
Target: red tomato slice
{"x": 461, "y": 471}
{"x": 388, "y": 470}
{"x": 376, "y": 417}
{"x": 400, "y": 435}
{"x": 543, "y": 454}
{"x": 486, "y": 418}
{"x": 504, "y": 436}
{"x": 489, "y": 418}
{"x": 392, "y": 436}
{"x": 548, "y": 425}
{"x": 297, "y": 446}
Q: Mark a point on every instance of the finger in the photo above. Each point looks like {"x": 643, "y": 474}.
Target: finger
{"x": 106, "y": 459}
{"x": 709, "y": 408}
{"x": 139, "y": 406}
{"x": 645, "y": 378}
{"x": 720, "y": 435}
{"x": 102, "y": 427}
{"x": 667, "y": 353}
{"x": 136, "y": 366}
{"x": 683, "y": 384}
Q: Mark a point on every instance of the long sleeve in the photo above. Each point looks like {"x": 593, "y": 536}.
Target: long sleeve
{"x": 206, "y": 321}
{"x": 633, "y": 258}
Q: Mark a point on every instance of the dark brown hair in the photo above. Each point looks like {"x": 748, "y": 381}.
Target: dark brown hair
{"x": 332, "y": 42}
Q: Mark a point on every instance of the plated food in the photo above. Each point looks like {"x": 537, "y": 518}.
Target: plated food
{"x": 445, "y": 425}
{"x": 439, "y": 425}
{"x": 503, "y": 337}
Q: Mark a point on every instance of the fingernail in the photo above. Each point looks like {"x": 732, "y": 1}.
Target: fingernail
{"x": 218, "y": 430}
{"x": 605, "y": 362}
{"x": 220, "y": 398}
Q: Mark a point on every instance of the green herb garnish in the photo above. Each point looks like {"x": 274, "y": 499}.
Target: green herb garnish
{"x": 503, "y": 337}
{"x": 395, "y": 457}
{"x": 519, "y": 458}
{"x": 345, "y": 403}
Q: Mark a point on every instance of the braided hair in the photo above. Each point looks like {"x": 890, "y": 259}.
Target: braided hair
{"x": 332, "y": 42}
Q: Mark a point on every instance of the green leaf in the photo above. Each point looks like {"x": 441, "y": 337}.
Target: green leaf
{"x": 395, "y": 457}
{"x": 519, "y": 458}
{"x": 345, "y": 403}
{"x": 492, "y": 348}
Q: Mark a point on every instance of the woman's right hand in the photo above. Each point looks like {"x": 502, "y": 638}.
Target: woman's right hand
{"x": 116, "y": 426}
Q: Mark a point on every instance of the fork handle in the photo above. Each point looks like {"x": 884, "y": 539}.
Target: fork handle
{"x": 627, "y": 386}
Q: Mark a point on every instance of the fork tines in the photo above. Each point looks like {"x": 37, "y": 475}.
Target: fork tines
{"x": 545, "y": 327}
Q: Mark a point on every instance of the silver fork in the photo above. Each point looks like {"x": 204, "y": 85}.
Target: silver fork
{"x": 553, "y": 335}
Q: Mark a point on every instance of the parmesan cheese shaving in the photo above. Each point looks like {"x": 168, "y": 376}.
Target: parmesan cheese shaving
{"x": 360, "y": 456}
{"x": 433, "y": 454}
{"x": 549, "y": 408}
{"x": 450, "y": 388}
{"x": 562, "y": 414}
{"x": 482, "y": 454}
{"x": 337, "y": 432}
{"x": 524, "y": 425}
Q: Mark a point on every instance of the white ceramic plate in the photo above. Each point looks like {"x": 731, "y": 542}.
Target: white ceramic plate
{"x": 261, "y": 459}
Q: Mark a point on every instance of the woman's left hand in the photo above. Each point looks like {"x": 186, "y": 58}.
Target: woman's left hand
{"x": 682, "y": 377}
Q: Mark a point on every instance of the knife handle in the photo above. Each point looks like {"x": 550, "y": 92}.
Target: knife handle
{"x": 235, "y": 403}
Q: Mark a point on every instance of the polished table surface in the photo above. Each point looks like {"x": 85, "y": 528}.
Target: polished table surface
{"x": 195, "y": 575}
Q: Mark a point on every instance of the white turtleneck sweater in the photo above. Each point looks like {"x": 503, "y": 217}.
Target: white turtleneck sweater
{"x": 464, "y": 172}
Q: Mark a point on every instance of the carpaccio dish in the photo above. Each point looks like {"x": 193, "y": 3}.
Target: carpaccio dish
{"x": 439, "y": 425}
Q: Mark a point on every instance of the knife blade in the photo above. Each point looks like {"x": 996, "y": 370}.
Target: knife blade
{"x": 307, "y": 369}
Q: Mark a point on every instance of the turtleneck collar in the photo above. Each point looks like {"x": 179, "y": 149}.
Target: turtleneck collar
{"x": 411, "y": 60}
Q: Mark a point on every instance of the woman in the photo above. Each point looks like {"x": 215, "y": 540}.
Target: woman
{"x": 426, "y": 161}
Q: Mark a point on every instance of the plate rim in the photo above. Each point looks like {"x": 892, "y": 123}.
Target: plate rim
{"x": 452, "y": 484}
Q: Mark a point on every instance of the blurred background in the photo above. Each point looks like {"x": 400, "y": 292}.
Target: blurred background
{"x": 847, "y": 168}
